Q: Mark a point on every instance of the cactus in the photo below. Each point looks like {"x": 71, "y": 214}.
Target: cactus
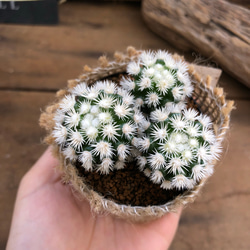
{"x": 146, "y": 117}
{"x": 178, "y": 146}
{"x": 157, "y": 80}
{"x": 95, "y": 125}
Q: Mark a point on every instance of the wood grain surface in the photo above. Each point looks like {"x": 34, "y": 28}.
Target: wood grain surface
{"x": 216, "y": 28}
{"x": 35, "y": 61}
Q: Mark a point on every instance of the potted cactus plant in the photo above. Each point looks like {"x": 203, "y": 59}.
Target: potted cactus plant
{"x": 139, "y": 136}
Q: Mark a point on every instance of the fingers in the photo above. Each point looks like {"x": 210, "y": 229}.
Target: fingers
{"x": 43, "y": 171}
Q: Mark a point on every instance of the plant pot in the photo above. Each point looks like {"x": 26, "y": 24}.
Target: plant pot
{"x": 128, "y": 193}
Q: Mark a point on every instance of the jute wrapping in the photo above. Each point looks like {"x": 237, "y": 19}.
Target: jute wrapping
{"x": 210, "y": 101}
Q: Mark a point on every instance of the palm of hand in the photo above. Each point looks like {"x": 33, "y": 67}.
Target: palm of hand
{"x": 48, "y": 216}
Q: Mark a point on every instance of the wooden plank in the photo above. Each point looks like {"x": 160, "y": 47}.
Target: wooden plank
{"x": 216, "y": 28}
{"x": 20, "y": 146}
{"x": 219, "y": 218}
{"x": 47, "y": 56}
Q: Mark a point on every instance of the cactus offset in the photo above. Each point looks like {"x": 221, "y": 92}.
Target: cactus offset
{"x": 95, "y": 125}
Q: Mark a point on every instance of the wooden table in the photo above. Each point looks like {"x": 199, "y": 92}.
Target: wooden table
{"x": 35, "y": 61}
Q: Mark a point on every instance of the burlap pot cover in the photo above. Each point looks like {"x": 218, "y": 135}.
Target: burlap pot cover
{"x": 210, "y": 101}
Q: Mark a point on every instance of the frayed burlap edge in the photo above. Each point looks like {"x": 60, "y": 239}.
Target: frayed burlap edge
{"x": 211, "y": 100}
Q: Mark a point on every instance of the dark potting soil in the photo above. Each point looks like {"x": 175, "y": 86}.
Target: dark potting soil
{"x": 127, "y": 186}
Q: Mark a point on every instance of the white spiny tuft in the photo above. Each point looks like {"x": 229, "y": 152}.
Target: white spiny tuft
{"x": 169, "y": 78}
{"x": 156, "y": 176}
{"x": 75, "y": 139}
{"x": 144, "y": 83}
{"x": 193, "y": 143}
{"x": 127, "y": 84}
{"x": 178, "y": 137}
{"x": 92, "y": 93}
{"x": 188, "y": 90}
{"x": 193, "y": 130}
{"x": 123, "y": 151}
{"x": 187, "y": 155}
{"x": 68, "y": 103}
{"x": 157, "y": 76}
{"x": 135, "y": 142}
{"x": 110, "y": 131}
{"x": 182, "y": 66}
{"x": 144, "y": 144}
{"x": 122, "y": 110}
{"x": 152, "y": 99}
{"x": 183, "y": 77}
{"x": 105, "y": 166}
{"x": 166, "y": 185}
{"x": 129, "y": 129}
{"x": 145, "y": 125}
{"x": 170, "y": 62}
{"x": 147, "y": 172}
{"x": 198, "y": 172}
{"x": 159, "y": 115}
{"x": 178, "y": 93}
{"x": 190, "y": 114}
{"x": 91, "y": 133}
{"x": 203, "y": 153}
{"x": 87, "y": 121}
{"x": 179, "y": 123}
{"x": 181, "y": 182}
{"x": 161, "y": 54}
{"x": 139, "y": 102}
{"x": 109, "y": 87}
{"x": 147, "y": 58}
{"x": 163, "y": 86}
{"x": 94, "y": 110}
{"x": 105, "y": 117}
{"x": 209, "y": 170}
{"x": 103, "y": 149}
{"x": 84, "y": 107}
{"x": 176, "y": 166}
{"x": 216, "y": 150}
{"x": 157, "y": 160}
{"x": 158, "y": 67}
{"x": 60, "y": 134}
{"x": 80, "y": 89}
{"x": 133, "y": 68}
{"x": 105, "y": 101}
{"x": 119, "y": 165}
{"x": 159, "y": 133}
{"x": 138, "y": 117}
{"x": 149, "y": 72}
{"x": 142, "y": 162}
{"x": 95, "y": 122}
{"x": 59, "y": 117}
{"x": 175, "y": 107}
{"x": 208, "y": 135}
{"x": 69, "y": 153}
{"x": 86, "y": 159}
{"x": 182, "y": 147}
{"x": 205, "y": 120}
{"x": 127, "y": 98}
{"x": 169, "y": 148}
{"x": 72, "y": 119}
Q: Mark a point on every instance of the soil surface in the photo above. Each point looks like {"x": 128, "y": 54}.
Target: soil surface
{"x": 128, "y": 186}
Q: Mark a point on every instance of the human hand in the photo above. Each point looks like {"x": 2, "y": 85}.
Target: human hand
{"x": 48, "y": 216}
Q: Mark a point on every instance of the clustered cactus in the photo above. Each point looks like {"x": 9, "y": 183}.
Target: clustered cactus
{"x": 147, "y": 117}
{"x": 95, "y": 125}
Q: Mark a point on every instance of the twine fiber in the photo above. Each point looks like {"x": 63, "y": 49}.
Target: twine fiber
{"x": 210, "y": 101}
